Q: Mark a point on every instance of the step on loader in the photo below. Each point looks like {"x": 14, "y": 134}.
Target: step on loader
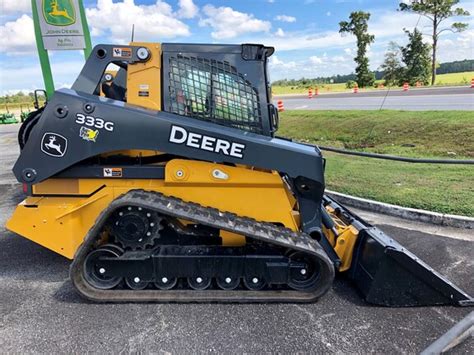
{"x": 160, "y": 176}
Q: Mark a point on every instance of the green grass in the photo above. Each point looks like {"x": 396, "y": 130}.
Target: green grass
{"x": 409, "y": 133}
{"x": 455, "y": 78}
{"x": 441, "y": 188}
{"x": 441, "y": 80}
{"x": 279, "y": 90}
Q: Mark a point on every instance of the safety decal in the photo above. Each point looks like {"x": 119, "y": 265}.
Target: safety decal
{"x": 54, "y": 144}
{"x": 112, "y": 172}
{"x": 122, "y": 52}
{"x": 88, "y": 134}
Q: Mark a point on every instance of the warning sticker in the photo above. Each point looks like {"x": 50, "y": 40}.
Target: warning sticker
{"x": 144, "y": 93}
{"x": 122, "y": 52}
{"x": 112, "y": 172}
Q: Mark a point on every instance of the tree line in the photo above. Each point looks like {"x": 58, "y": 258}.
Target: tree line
{"x": 18, "y": 98}
{"x": 415, "y": 62}
{"x": 444, "y": 68}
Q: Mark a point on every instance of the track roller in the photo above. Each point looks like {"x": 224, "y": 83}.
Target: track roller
{"x": 135, "y": 283}
{"x": 199, "y": 283}
{"x": 254, "y": 283}
{"x": 166, "y": 283}
{"x": 228, "y": 282}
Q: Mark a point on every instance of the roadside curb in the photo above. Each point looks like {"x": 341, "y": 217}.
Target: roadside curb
{"x": 412, "y": 214}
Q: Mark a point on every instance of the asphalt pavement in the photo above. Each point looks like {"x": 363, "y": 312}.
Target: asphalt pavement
{"x": 415, "y": 99}
{"x": 40, "y": 311}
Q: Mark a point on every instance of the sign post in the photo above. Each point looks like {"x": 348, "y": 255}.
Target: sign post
{"x": 59, "y": 25}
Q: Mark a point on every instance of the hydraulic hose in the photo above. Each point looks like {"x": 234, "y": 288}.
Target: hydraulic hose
{"x": 397, "y": 158}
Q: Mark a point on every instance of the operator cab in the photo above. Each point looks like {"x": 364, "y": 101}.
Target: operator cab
{"x": 224, "y": 84}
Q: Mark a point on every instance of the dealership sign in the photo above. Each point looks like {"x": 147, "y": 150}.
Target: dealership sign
{"x": 61, "y": 25}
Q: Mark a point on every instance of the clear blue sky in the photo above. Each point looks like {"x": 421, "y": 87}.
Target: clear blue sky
{"x": 304, "y": 33}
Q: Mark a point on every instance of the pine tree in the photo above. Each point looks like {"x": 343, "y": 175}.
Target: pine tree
{"x": 358, "y": 27}
{"x": 416, "y": 56}
{"x": 392, "y": 66}
{"x": 437, "y": 11}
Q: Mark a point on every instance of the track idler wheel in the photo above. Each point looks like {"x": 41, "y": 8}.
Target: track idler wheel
{"x": 306, "y": 277}
{"x": 95, "y": 272}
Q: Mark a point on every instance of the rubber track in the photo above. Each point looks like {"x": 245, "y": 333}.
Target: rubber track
{"x": 262, "y": 231}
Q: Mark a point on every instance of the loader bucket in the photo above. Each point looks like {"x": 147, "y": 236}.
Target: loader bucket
{"x": 388, "y": 274}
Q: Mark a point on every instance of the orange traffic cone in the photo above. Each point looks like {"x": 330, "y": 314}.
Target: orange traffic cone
{"x": 280, "y": 106}
{"x": 310, "y": 93}
{"x": 405, "y": 87}
{"x": 472, "y": 83}
{"x": 356, "y": 88}
{"x": 316, "y": 92}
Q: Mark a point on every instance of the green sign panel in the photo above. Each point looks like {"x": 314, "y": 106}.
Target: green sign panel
{"x": 59, "y": 25}
{"x": 59, "y": 12}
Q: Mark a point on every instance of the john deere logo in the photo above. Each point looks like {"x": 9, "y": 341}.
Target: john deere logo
{"x": 59, "y": 12}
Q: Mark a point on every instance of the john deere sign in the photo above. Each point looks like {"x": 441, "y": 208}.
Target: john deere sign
{"x": 60, "y": 23}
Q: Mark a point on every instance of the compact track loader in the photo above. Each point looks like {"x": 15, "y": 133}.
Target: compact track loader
{"x": 163, "y": 180}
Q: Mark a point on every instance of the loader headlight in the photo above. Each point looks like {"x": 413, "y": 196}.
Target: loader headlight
{"x": 108, "y": 77}
{"x": 143, "y": 53}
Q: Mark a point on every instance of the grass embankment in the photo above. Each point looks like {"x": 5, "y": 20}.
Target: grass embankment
{"x": 455, "y": 78}
{"x": 442, "y": 134}
{"x": 451, "y": 79}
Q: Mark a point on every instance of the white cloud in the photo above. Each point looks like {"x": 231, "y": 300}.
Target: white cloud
{"x": 18, "y": 37}
{"x": 285, "y": 18}
{"x": 458, "y": 48}
{"x": 328, "y": 13}
{"x": 26, "y": 78}
{"x": 151, "y": 21}
{"x": 303, "y": 40}
{"x": 315, "y": 60}
{"x": 277, "y": 63}
{"x": 187, "y": 9}
{"x": 280, "y": 33}
{"x": 10, "y": 7}
{"x": 338, "y": 59}
{"x": 270, "y": 1}
{"x": 309, "y": 67}
{"x": 228, "y": 23}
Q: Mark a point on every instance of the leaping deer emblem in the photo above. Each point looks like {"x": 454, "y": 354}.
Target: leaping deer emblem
{"x": 56, "y": 12}
{"x": 54, "y": 146}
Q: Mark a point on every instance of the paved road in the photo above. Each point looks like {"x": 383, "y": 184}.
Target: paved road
{"x": 40, "y": 311}
{"x": 459, "y": 98}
